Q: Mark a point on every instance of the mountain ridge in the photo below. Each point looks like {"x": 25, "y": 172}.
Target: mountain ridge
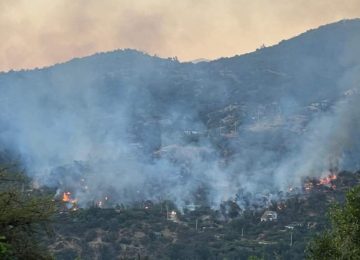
{"x": 344, "y": 22}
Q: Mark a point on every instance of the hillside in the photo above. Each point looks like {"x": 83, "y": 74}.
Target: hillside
{"x": 160, "y": 231}
{"x": 142, "y": 127}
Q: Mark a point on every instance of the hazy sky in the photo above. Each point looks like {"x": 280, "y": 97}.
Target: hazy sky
{"x": 35, "y": 33}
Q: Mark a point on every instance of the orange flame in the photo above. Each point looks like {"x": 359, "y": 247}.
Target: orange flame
{"x": 67, "y": 198}
{"x": 327, "y": 180}
{"x": 323, "y": 181}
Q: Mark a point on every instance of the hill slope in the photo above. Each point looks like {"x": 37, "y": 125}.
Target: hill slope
{"x": 145, "y": 127}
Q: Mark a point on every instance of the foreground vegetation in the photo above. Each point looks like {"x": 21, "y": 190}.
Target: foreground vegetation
{"x": 342, "y": 240}
{"x": 24, "y": 216}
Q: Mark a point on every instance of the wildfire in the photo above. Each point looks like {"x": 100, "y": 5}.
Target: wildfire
{"x": 70, "y": 203}
{"x": 327, "y": 180}
{"x": 323, "y": 181}
{"x": 67, "y": 198}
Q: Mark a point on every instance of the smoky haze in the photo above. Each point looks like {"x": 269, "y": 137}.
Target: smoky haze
{"x": 133, "y": 127}
{"x": 39, "y": 33}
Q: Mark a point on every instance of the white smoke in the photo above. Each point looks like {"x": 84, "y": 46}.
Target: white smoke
{"x": 111, "y": 127}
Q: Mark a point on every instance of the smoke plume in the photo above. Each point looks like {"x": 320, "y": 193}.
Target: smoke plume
{"x": 131, "y": 127}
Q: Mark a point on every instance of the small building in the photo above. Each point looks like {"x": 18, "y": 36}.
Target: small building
{"x": 172, "y": 215}
{"x": 148, "y": 204}
{"x": 269, "y": 216}
{"x": 191, "y": 207}
{"x": 293, "y": 225}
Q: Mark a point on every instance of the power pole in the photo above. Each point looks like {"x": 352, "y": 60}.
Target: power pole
{"x": 242, "y": 232}
{"x": 167, "y": 211}
{"x": 196, "y": 224}
{"x": 291, "y": 239}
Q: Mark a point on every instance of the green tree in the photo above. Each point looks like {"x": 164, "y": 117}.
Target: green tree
{"x": 253, "y": 257}
{"x": 24, "y": 216}
{"x": 342, "y": 241}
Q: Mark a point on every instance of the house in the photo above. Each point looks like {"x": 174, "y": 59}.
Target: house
{"x": 191, "y": 207}
{"x": 293, "y": 225}
{"x": 172, "y": 215}
{"x": 148, "y": 204}
{"x": 269, "y": 216}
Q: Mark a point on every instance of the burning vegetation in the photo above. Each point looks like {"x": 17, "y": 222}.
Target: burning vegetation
{"x": 157, "y": 229}
{"x": 243, "y": 201}
{"x": 326, "y": 181}
{"x": 70, "y": 203}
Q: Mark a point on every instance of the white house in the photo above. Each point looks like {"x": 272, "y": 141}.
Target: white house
{"x": 269, "y": 216}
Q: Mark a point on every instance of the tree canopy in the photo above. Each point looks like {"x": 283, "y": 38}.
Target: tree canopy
{"x": 342, "y": 241}
{"x": 24, "y": 216}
